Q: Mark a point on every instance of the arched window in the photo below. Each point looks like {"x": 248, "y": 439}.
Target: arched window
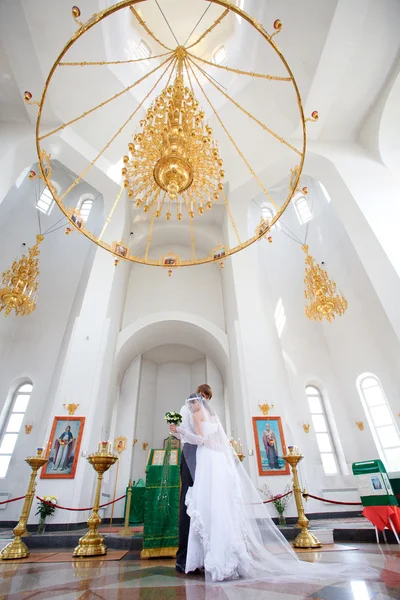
{"x": 302, "y": 209}
{"x": 85, "y": 206}
{"x": 267, "y": 211}
{"x": 380, "y": 419}
{"x": 45, "y": 202}
{"x": 12, "y": 420}
{"x": 322, "y": 430}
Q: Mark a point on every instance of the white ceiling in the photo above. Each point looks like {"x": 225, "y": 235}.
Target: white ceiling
{"x": 340, "y": 51}
{"x": 173, "y": 353}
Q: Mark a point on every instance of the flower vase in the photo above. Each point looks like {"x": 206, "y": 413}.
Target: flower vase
{"x": 282, "y": 520}
{"x": 42, "y": 525}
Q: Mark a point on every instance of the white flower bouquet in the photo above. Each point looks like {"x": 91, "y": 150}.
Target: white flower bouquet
{"x": 173, "y": 418}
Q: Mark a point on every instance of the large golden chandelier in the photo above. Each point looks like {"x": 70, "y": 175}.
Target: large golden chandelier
{"x": 21, "y": 283}
{"x": 174, "y": 157}
{"x": 320, "y": 292}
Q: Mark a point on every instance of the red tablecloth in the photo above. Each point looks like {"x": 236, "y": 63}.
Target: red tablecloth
{"x": 379, "y": 516}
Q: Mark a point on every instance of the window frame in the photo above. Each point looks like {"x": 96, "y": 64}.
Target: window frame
{"x": 280, "y": 317}
{"x": 316, "y": 393}
{"x": 6, "y": 417}
{"x": 82, "y": 201}
{"x": 302, "y": 198}
{"x": 370, "y": 418}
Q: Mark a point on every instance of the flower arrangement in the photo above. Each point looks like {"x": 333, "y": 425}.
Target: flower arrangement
{"x": 173, "y": 418}
{"x": 280, "y": 501}
{"x": 46, "y": 508}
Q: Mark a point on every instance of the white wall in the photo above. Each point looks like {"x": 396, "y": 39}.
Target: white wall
{"x": 30, "y": 346}
{"x": 195, "y": 290}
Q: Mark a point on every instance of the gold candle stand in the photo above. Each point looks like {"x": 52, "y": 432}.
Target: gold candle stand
{"x": 92, "y": 543}
{"x": 17, "y": 548}
{"x": 127, "y": 531}
{"x": 305, "y": 539}
{"x": 240, "y": 456}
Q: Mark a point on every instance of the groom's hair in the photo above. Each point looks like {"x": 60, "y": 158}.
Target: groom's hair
{"x": 205, "y": 390}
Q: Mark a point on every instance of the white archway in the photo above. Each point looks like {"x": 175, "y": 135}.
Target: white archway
{"x": 173, "y": 328}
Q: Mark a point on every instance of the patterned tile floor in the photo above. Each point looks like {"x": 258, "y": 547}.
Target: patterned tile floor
{"x": 133, "y": 579}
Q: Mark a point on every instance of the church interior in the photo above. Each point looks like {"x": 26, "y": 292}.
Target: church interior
{"x": 197, "y": 192}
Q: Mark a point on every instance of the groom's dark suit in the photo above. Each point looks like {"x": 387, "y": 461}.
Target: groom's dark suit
{"x": 188, "y": 469}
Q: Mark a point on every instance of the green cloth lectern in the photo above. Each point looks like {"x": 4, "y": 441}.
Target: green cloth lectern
{"x": 161, "y": 513}
{"x": 373, "y": 483}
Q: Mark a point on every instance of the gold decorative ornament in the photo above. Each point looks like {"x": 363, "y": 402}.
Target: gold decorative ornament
{"x": 71, "y": 408}
{"x": 320, "y": 292}
{"x": 20, "y": 283}
{"x": 92, "y": 543}
{"x": 17, "y": 548}
{"x": 305, "y": 539}
{"x": 360, "y": 425}
{"x": 28, "y": 429}
{"x": 306, "y": 427}
{"x": 265, "y": 408}
{"x": 144, "y": 445}
{"x": 135, "y": 441}
{"x": 173, "y": 167}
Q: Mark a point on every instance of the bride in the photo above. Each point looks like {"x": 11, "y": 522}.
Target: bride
{"x": 231, "y": 532}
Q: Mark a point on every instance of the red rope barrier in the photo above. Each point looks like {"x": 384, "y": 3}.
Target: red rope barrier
{"x": 77, "y": 509}
{"x": 278, "y": 497}
{"x": 306, "y": 496}
{"x": 12, "y": 500}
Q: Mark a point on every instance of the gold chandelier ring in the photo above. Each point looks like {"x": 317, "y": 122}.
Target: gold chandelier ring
{"x": 42, "y": 155}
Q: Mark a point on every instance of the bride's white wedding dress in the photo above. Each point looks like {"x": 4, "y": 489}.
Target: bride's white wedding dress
{"x": 231, "y": 532}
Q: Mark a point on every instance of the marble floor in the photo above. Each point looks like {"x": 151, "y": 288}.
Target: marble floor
{"x": 133, "y": 579}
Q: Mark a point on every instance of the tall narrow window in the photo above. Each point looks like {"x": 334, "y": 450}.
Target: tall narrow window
{"x": 143, "y": 50}
{"x": 219, "y": 55}
{"x": 84, "y": 207}
{"x": 45, "y": 203}
{"x": 322, "y": 430}
{"x": 12, "y": 426}
{"x": 303, "y": 210}
{"x": 280, "y": 317}
{"x": 381, "y": 421}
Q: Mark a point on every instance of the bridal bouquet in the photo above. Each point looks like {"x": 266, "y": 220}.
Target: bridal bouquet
{"x": 173, "y": 418}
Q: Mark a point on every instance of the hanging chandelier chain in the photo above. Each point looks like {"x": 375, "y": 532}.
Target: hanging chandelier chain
{"x": 92, "y": 163}
{"x": 102, "y": 63}
{"x": 92, "y": 110}
{"x": 246, "y": 112}
{"x": 207, "y": 31}
{"x": 228, "y": 208}
{"x": 239, "y": 71}
{"x": 253, "y": 173}
{"x": 145, "y": 27}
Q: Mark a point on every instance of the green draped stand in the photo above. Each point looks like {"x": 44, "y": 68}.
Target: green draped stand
{"x": 161, "y": 513}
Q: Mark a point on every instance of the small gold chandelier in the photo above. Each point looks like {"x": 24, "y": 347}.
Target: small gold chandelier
{"x": 21, "y": 283}
{"x": 174, "y": 158}
{"x": 321, "y": 293}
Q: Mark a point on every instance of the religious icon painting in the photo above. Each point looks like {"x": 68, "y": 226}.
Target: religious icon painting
{"x": 63, "y": 448}
{"x": 120, "y": 248}
{"x": 77, "y": 219}
{"x": 270, "y": 446}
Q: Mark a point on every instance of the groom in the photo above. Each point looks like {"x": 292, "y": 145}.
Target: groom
{"x": 188, "y": 468}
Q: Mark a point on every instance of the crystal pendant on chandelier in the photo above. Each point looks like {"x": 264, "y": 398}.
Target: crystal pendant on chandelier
{"x": 174, "y": 158}
{"x": 320, "y": 291}
{"x": 20, "y": 283}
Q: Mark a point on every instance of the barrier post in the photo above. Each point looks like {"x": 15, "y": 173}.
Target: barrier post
{"x": 127, "y": 531}
{"x": 92, "y": 543}
{"x": 305, "y": 539}
{"x": 17, "y": 548}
